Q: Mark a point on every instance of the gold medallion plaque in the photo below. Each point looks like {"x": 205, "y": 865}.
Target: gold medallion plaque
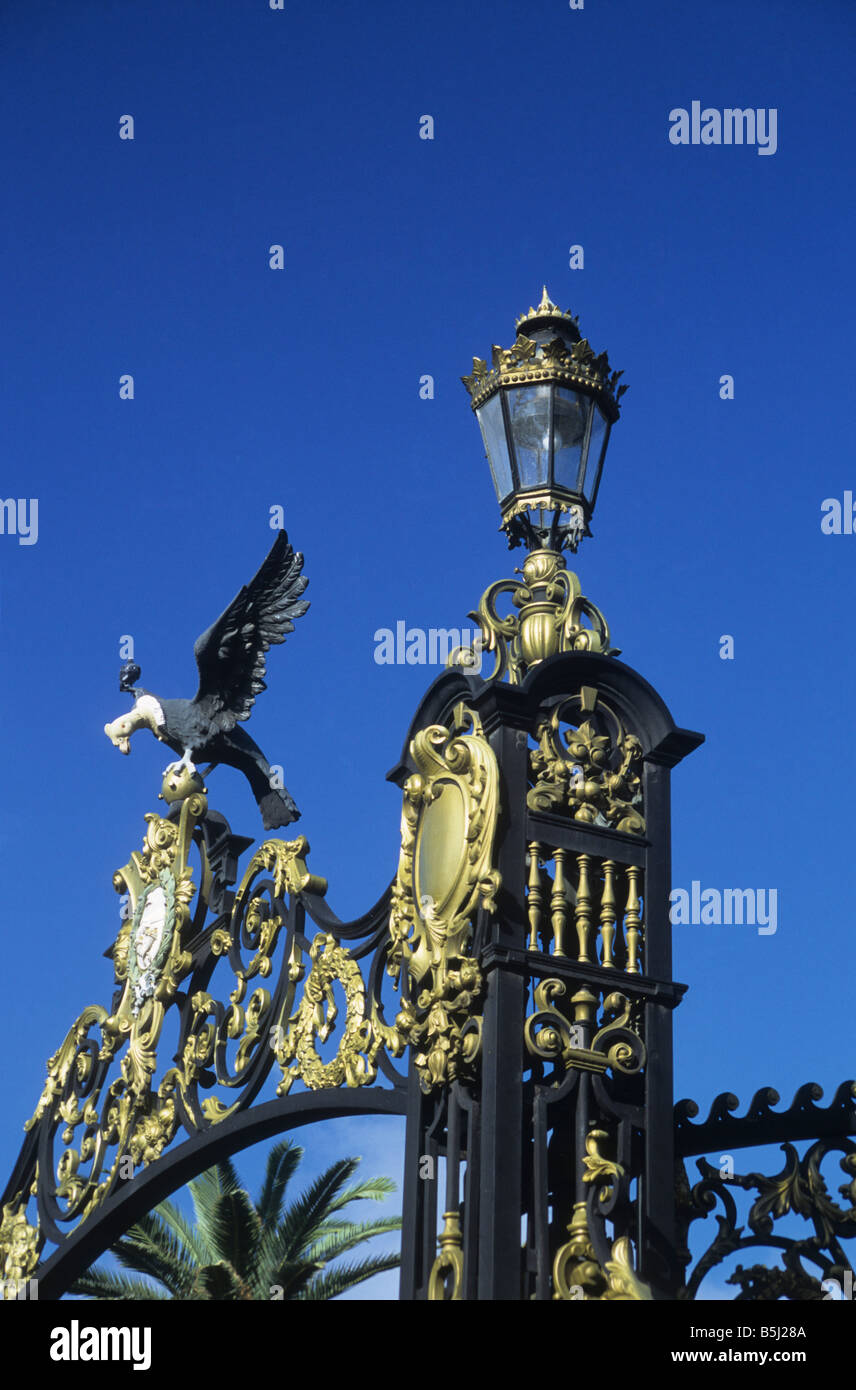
{"x": 445, "y": 874}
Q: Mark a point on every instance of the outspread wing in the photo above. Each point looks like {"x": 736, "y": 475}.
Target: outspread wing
{"x": 231, "y": 654}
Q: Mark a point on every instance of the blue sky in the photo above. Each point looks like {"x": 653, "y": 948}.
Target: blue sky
{"x": 300, "y": 387}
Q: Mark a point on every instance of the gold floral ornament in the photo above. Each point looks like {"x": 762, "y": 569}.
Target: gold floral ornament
{"x": 593, "y": 769}
{"x": 20, "y": 1244}
{"x": 578, "y": 1275}
{"x": 354, "y": 1062}
{"x": 552, "y": 616}
{"x": 445, "y": 874}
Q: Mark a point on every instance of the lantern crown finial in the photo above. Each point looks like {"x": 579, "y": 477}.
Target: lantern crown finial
{"x": 565, "y": 358}
{"x": 548, "y": 313}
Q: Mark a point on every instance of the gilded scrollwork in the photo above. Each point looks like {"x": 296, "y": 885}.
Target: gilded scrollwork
{"x": 598, "y": 1168}
{"x": 68, "y": 1058}
{"x": 20, "y": 1244}
{"x": 592, "y": 769}
{"x": 286, "y": 861}
{"x": 578, "y": 1275}
{"x": 438, "y": 1026}
{"x": 108, "y": 1105}
{"x": 619, "y": 1039}
{"x": 150, "y": 961}
{"x": 547, "y": 1032}
{"x": 445, "y": 874}
{"x": 551, "y": 609}
{"x": 550, "y": 1036}
{"x": 314, "y": 1019}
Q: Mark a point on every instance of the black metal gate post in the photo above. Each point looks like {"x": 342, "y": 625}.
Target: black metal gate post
{"x": 572, "y": 1080}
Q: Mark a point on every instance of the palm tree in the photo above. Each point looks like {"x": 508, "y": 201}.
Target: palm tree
{"x": 237, "y": 1249}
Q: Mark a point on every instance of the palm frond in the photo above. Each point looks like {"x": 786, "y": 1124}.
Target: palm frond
{"x": 188, "y": 1234}
{"x": 239, "y": 1250}
{"x": 206, "y": 1191}
{"x": 227, "y": 1176}
{"x": 138, "y": 1259}
{"x": 370, "y": 1190}
{"x": 236, "y": 1232}
{"x": 101, "y": 1283}
{"x": 282, "y": 1163}
{"x": 337, "y": 1281}
{"x": 336, "y": 1242}
{"x": 303, "y": 1220}
{"x": 292, "y": 1277}
{"x": 219, "y": 1282}
{"x": 151, "y": 1247}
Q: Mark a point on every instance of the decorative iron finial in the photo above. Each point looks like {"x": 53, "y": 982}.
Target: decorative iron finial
{"x": 548, "y": 312}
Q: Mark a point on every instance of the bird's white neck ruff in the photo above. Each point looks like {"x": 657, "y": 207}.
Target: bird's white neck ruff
{"x": 151, "y": 710}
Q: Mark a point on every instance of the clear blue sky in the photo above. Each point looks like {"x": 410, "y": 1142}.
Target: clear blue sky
{"x": 299, "y": 387}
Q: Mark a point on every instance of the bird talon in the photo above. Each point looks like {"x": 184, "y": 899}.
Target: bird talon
{"x": 185, "y": 763}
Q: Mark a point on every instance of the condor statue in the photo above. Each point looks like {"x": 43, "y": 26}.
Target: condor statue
{"x": 231, "y": 661}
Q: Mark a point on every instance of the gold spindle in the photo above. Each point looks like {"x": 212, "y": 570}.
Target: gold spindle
{"x": 559, "y": 903}
{"x": 536, "y": 895}
{"x": 583, "y": 909}
{"x": 585, "y": 1005}
{"x": 632, "y": 919}
{"x": 607, "y": 912}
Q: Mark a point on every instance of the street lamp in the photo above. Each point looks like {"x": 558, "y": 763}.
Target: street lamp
{"x": 545, "y": 409}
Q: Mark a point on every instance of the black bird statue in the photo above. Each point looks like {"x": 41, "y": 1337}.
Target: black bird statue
{"x": 231, "y": 661}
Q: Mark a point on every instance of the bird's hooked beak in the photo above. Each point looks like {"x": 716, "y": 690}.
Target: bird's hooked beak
{"x": 119, "y": 732}
{"x": 146, "y": 714}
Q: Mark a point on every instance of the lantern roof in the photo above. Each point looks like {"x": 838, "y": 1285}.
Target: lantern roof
{"x": 566, "y": 359}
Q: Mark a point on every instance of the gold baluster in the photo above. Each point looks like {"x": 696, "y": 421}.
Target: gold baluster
{"x": 585, "y": 1007}
{"x": 559, "y": 903}
{"x": 607, "y": 912}
{"x": 583, "y": 909}
{"x": 632, "y": 919}
{"x": 536, "y": 895}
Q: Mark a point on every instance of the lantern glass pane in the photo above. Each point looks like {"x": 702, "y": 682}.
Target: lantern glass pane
{"x": 570, "y": 417}
{"x": 595, "y": 451}
{"x": 529, "y": 415}
{"x": 492, "y": 427}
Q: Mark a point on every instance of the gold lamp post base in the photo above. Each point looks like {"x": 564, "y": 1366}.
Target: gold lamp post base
{"x": 551, "y": 608}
